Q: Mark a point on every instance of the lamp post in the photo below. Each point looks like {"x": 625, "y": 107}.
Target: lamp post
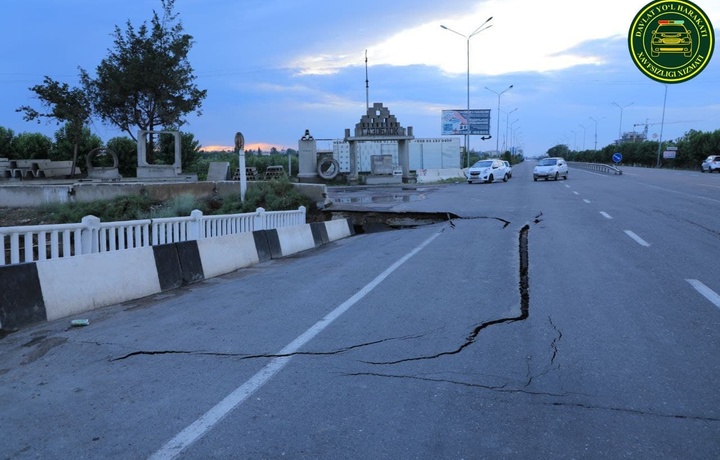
{"x": 584, "y": 133}
{"x": 574, "y": 139}
{"x": 507, "y": 119}
{"x": 497, "y": 141}
{"x": 467, "y": 42}
{"x": 513, "y": 140}
{"x": 596, "y": 124}
{"x": 621, "y": 107}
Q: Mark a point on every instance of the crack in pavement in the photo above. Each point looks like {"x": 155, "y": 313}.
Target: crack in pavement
{"x": 244, "y": 356}
{"x": 524, "y": 308}
{"x": 504, "y": 389}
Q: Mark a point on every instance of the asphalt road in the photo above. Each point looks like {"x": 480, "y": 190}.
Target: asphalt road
{"x": 569, "y": 319}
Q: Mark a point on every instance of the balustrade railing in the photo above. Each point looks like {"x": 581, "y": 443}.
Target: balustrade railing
{"x": 42, "y": 242}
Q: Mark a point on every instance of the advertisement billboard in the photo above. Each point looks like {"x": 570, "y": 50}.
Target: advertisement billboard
{"x": 460, "y": 122}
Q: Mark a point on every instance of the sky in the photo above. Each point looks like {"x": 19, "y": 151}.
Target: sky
{"x": 274, "y": 68}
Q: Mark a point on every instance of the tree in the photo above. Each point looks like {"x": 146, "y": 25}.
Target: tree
{"x": 189, "y": 150}
{"x": 146, "y": 82}
{"x": 6, "y": 141}
{"x": 68, "y": 145}
{"x": 126, "y": 150}
{"x": 31, "y": 146}
{"x": 65, "y": 105}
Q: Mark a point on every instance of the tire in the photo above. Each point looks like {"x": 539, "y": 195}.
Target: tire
{"x": 557, "y": 176}
{"x": 505, "y": 178}
{"x": 469, "y": 182}
{"x": 565, "y": 176}
{"x": 491, "y": 179}
{"x": 534, "y": 179}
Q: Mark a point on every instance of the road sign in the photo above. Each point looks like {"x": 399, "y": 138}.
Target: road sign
{"x": 617, "y": 157}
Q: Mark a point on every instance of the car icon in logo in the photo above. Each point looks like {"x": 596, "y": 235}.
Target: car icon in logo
{"x": 671, "y": 36}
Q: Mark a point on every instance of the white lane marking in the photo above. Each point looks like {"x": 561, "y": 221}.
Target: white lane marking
{"x": 566, "y": 185}
{"x": 709, "y": 294}
{"x": 209, "y": 419}
{"x": 576, "y": 193}
{"x": 637, "y": 239}
{"x": 605, "y": 215}
{"x": 680, "y": 193}
{"x": 586, "y": 201}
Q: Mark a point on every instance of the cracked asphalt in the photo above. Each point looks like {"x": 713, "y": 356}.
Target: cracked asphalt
{"x": 522, "y": 324}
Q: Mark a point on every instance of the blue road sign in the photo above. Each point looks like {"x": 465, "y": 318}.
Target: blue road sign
{"x": 617, "y": 157}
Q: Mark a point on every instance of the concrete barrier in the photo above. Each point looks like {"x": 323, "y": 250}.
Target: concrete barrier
{"x": 59, "y": 288}
{"x": 77, "y": 284}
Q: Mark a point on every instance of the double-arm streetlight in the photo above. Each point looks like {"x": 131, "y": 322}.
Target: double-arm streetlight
{"x": 467, "y": 38}
{"x": 621, "y": 107}
{"x": 596, "y": 123}
{"x": 497, "y": 141}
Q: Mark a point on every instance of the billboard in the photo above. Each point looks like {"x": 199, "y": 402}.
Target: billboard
{"x": 461, "y": 122}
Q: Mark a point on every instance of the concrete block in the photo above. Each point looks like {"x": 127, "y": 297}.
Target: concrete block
{"x": 77, "y": 284}
{"x": 295, "y": 239}
{"x": 225, "y": 254}
{"x": 21, "y": 301}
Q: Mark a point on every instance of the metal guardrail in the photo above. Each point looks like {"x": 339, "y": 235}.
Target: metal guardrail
{"x": 42, "y": 242}
{"x": 608, "y": 169}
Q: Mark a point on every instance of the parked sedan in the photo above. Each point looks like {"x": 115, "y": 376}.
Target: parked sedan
{"x": 551, "y": 168}
{"x": 509, "y": 169}
{"x": 711, "y": 164}
{"x": 487, "y": 171}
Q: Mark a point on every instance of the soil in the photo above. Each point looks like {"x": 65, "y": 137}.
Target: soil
{"x": 12, "y": 217}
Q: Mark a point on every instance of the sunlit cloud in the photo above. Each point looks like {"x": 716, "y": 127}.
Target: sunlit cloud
{"x": 543, "y": 38}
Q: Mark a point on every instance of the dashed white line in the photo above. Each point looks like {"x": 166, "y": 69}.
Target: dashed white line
{"x": 566, "y": 185}
{"x": 586, "y": 201}
{"x": 173, "y": 448}
{"x": 576, "y": 193}
{"x": 605, "y": 215}
{"x": 637, "y": 239}
{"x": 709, "y": 294}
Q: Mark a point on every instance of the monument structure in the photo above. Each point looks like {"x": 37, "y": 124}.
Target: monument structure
{"x": 378, "y": 124}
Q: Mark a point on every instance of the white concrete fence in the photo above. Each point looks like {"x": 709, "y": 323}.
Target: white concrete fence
{"x": 42, "y": 242}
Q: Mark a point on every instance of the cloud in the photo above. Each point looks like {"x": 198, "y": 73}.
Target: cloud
{"x": 540, "y": 39}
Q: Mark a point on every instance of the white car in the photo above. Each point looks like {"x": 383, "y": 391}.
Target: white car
{"x": 509, "y": 168}
{"x": 551, "y": 168}
{"x": 711, "y": 164}
{"x": 487, "y": 171}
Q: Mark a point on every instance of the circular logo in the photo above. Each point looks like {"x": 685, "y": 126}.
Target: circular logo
{"x": 671, "y": 41}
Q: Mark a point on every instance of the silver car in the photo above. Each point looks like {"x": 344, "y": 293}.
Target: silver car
{"x": 711, "y": 164}
{"x": 551, "y": 168}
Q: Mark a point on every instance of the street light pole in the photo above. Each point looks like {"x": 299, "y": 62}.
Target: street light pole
{"x": 584, "y": 134}
{"x": 467, "y": 42}
{"x": 621, "y": 107}
{"x": 596, "y": 125}
{"x": 512, "y": 128}
{"x": 497, "y": 141}
{"x": 507, "y": 120}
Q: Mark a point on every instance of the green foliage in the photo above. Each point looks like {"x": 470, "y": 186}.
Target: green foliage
{"x": 7, "y": 136}
{"x": 146, "y": 81}
{"x": 274, "y": 195}
{"x": 65, "y": 142}
{"x": 181, "y": 205}
{"x": 189, "y": 151}
{"x": 30, "y": 146}
{"x": 126, "y": 150}
{"x": 65, "y": 105}
{"x": 122, "y": 208}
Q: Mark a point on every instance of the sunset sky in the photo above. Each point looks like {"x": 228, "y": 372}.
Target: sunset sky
{"x": 273, "y": 68}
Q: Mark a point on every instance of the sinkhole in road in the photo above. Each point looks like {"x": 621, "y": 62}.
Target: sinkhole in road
{"x": 378, "y": 221}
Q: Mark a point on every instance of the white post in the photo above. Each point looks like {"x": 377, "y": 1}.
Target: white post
{"x": 195, "y": 230}
{"x": 240, "y": 149}
{"x": 89, "y": 235}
